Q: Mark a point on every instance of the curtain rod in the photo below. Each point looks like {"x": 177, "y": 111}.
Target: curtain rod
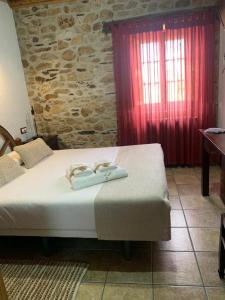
{"x": 106, "y": 25}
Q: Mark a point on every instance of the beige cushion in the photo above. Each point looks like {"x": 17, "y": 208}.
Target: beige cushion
{"x": 33, "y": 152}
{"x": 16, "y": 157}
{"x": 9, "y": 170}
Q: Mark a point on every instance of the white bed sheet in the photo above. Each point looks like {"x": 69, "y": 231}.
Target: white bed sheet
{"x": 41, "y": 202}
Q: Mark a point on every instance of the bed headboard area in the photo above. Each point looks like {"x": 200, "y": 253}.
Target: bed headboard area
{"x": 7, "y": 142}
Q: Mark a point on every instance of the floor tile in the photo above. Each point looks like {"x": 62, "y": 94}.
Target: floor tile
{"x": 178, "y": 292}
{"x": 186, "y": 179}
{"x": 196, "y": 202}
{"x": 217, "y": 202}
{"x": 205, "y": 239}
{"x": 95, "y": 276}
{"x": 90, "y": 291}
{"x": 214, "y": 174}
{"x": 189, "y": 189}
{"x": 183, "y": 171}
{"x": 208, "y": 263}
{"x": 180, "y": 241}
{"x": 98, "y": 264}
{"x": 198, "y": 172}
{"x": 179, "y": 268}
{"x": 177, "y": 218}
{"x": 203, "y": 217}
{"x": 136, "y": 270}
{"x": 169, "y": 172}
{"x": 170, "y": 179}
{"x": 215, "y": 293}
{"x": 129, "y": 277}
{"x": 172, "y": 189}
{"x": 127, "y": 292}
{"x": 214, "y": 188}
{"x": 175, "y": 202}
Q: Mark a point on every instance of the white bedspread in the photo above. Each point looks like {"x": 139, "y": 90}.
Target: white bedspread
{"x": 41, "y": 202}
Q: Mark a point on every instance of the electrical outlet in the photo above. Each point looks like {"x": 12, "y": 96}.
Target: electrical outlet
{"x": 23, "y": 130}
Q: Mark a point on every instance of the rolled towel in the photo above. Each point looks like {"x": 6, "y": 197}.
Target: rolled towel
{"x": 103, "y": 166}
{"x": 116, "y": 173}
{"x": 78, "y": 183}
{"x": 79, "y": 170}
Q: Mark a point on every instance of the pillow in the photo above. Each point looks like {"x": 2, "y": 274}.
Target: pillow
{"x": 16, "y": 157}
{"x": 9, "y": 170}
{"x": 33, "y": 152}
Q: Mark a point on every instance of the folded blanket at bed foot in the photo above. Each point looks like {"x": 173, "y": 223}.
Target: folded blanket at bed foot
{"x": 79, "y": 182}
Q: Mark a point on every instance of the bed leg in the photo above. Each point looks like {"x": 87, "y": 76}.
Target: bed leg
{"x": 127, "y": 250}
{"x": 46, "y": 248}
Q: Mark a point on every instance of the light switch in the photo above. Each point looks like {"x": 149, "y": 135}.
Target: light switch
{"x": 23, "y": 130}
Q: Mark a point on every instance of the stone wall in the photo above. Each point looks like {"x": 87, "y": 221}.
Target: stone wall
{"x": 68, "y": 64}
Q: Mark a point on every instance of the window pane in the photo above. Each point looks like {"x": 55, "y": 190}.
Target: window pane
{"x": 175, "y": 91}
{"x": 175, "y": 49}
{"x": 174, "y": 67}
{"x": 150, "y": 72}
{"x": 175, "y": 70}
{"x": 149, "y": 52}
{"x": 169, "y": 70}
{"x": 152, "y": 93}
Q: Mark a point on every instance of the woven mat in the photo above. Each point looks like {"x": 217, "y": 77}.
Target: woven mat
{"x": 42, "y": 280}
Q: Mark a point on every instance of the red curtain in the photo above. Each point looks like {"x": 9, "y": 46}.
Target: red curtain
{"x": 164, "y": 74}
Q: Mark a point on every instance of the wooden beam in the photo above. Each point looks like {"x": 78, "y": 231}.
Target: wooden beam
{"x": 23, "y": 3}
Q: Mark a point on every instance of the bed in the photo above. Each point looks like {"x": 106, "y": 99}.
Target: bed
{"x": 41, "y": 202}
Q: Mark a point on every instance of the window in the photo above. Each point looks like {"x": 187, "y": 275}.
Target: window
{"x": 150, "y": 59}
{"x": 171, "y": 58}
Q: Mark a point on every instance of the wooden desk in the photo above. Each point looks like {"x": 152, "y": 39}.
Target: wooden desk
{"x": 222, "y": 247}
{"x": 212, "y": 143}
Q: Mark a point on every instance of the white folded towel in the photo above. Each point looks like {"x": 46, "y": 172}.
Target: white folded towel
{"x": 103, "y": 166}
{"x": 78, "y": 170}
{"x": 78, "y": 183}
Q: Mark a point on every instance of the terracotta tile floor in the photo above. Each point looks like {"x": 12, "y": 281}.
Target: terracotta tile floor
{"x": 183, "y": 268}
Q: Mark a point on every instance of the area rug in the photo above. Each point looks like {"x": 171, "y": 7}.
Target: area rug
{"x": 42, "y": 280}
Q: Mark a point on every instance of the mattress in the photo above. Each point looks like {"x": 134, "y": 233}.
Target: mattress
{"x": 41, "y": 202}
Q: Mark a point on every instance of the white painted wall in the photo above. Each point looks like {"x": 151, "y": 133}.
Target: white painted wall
{"x": 14, "y": 103}
{"x": 221, "y": 96}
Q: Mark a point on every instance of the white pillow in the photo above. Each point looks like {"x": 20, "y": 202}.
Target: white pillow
{"x": 9, "y": 170}
{"x": 33, "y": 152}
{"x": 16, "y": 157}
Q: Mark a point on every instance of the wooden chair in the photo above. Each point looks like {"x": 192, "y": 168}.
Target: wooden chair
{"x": 3, "y": 294}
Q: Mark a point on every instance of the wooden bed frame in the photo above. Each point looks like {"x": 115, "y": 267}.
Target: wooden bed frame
{"x": 10, "y": 142}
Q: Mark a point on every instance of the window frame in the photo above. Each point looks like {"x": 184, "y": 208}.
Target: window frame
{"x": 163, "y": 81}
